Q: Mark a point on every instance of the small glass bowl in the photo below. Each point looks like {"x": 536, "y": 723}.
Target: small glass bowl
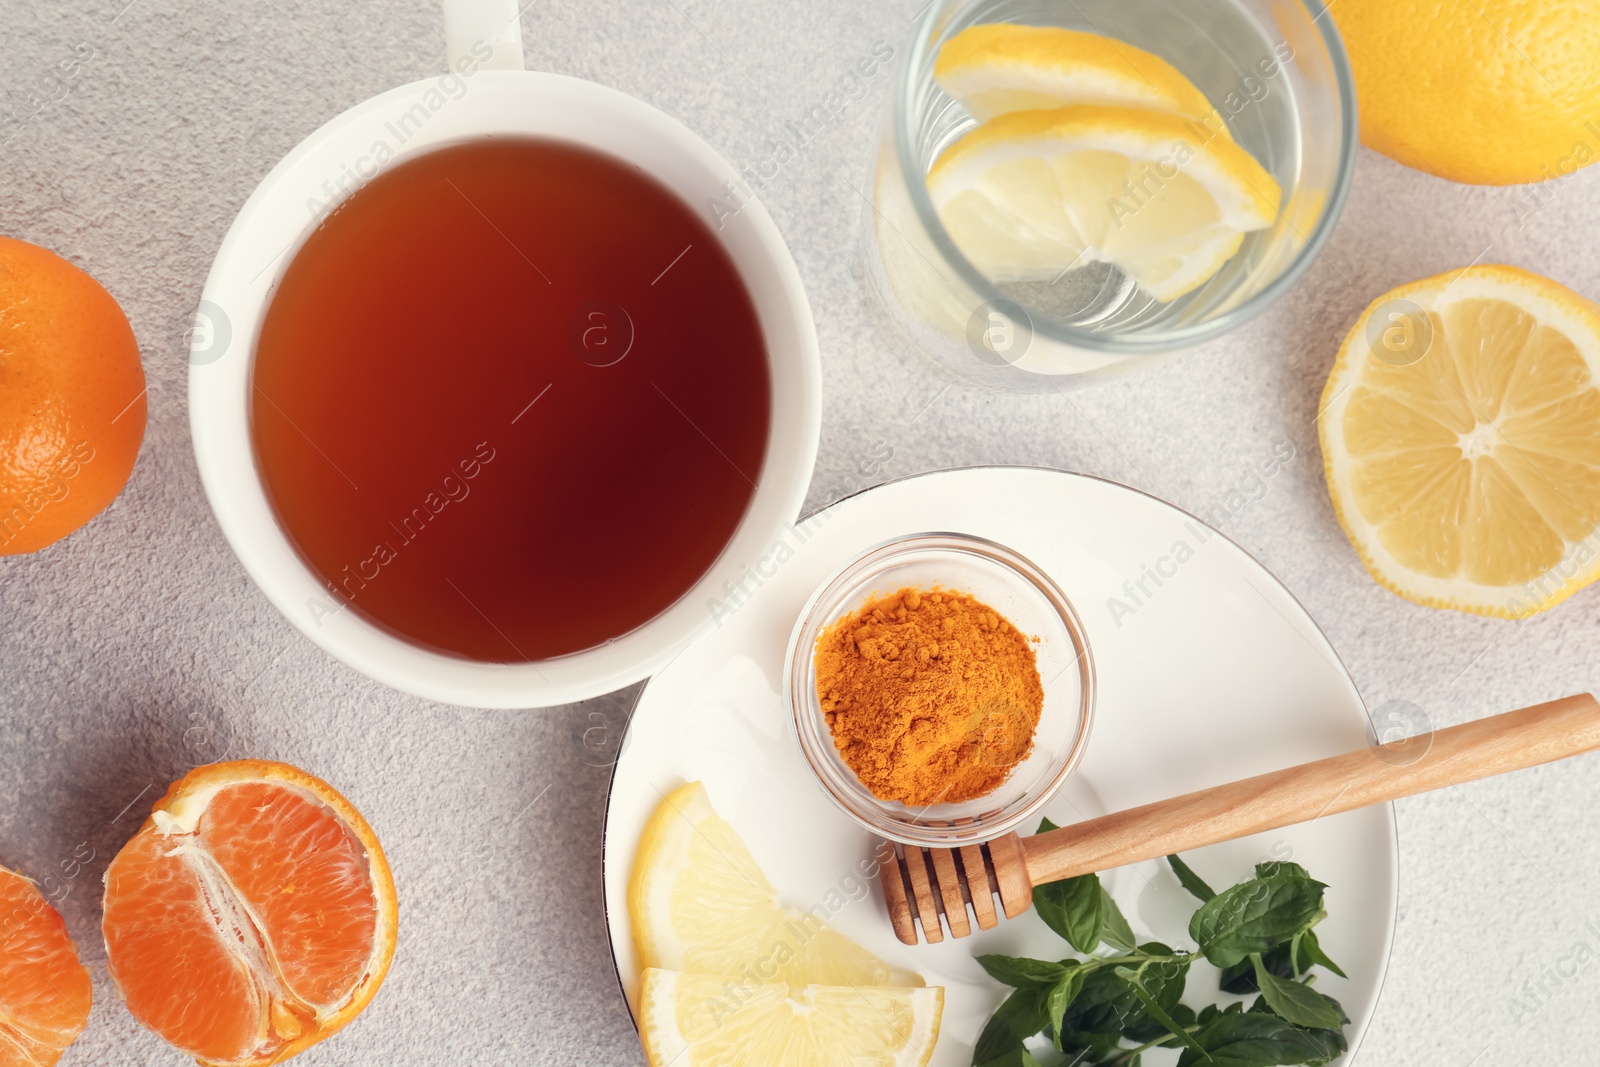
{"x": 1015, "y": 588}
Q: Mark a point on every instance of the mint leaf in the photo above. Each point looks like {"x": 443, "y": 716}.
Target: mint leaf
{"x": 1017, "y": 1057}
{"x": 1061, "y": 995}
{"x": 1021, "y": 973}
{"x": 1115, "y": 930}
{"x": 1311, "y": 950}
{"x": 1106, "y": 1005}
{"x": 1241, "y": 977}
{"x": 1072, "y": 908}
{"x": 1164, "y": 979}
{"x": 1075, "y": 909}
{"x": 1261, "y": 1005}
{"x": 1023, "y": 1014}
{"x": 1296, "y": 1002}
{"x": 1272, "y": 867}
{"x": 1102, "y": 1006}
{"x": 1096, "y": 1010}
{"x": 1255, "y": 916}
{"x": 1153, "y": 1008}
{"x": 1189, "y": 880}
{"x": 1252, "y": 1039}
{"x": 1084, "y": 1048}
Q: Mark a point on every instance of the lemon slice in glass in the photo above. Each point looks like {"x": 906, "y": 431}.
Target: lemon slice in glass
{"x": 1000, "y": 67}
{"x": 1030, "y": 195}
{"x": 1460, "y": 434}
{"x": 692, "y": 1020}
{"x": 699, "y": 903}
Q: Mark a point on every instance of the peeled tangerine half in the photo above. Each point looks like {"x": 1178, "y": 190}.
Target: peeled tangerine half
{"x": 44, "y": 991}
{"x": 251, "y": 916}
{"x": 1461, "y": 439}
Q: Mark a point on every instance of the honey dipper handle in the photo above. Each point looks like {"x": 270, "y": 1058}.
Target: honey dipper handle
{"x": 1507, "y": 742}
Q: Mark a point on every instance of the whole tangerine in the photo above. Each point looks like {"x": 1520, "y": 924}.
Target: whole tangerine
{"x": 72, "y": 398}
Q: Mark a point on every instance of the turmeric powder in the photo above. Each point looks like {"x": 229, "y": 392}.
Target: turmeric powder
{"x": 932, "y": 696}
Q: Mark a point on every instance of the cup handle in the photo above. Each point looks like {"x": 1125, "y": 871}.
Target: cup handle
{"x": 469, "y": 25}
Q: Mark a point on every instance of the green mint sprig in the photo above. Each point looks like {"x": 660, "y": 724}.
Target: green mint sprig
{"x": 1108, "y": 1009}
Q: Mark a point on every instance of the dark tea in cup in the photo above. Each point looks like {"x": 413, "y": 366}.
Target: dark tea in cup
{"x": 510, "y": 400}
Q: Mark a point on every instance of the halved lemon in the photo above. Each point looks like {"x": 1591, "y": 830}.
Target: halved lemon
{"x": 1460, "y": 434}
{"x": 699, "y": 903}
{"x": 999, "y": 67}
{"x": 695, "y": 1020}
{"x": 1032, "y": 194}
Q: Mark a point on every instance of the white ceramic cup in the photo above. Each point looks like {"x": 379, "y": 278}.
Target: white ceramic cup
{"x": 486, "y": 93}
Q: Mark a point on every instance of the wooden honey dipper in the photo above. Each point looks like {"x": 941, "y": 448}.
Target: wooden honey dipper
{"x": 926, "y": 883}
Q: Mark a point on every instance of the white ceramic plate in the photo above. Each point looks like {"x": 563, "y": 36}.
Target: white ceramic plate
{"x": 1218, "y": 674}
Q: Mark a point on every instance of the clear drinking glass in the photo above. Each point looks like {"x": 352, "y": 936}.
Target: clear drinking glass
{"x": 1277, "y": 74}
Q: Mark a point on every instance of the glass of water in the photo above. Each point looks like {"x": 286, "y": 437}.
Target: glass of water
{"x": 1276, "y": 73}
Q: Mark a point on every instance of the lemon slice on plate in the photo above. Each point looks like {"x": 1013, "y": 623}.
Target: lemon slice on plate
{"x": 1029, "y": 195}
{"x": 1000, "y": 67}
{"x": 699, "y": 903}
{"x": 696, "y": 1020}
{"x": 1460, "y": 434}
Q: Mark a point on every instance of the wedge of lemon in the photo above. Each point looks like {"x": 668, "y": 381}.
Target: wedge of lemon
{"x": 699, "y": 903}
{"x": 1032, "y": 194}
{"x": 999, "y": 67}
{"x": 1460, "y": 434}
{"x": 693, "y": 1020}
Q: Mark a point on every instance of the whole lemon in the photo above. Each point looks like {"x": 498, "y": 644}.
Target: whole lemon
{"x": 1491, "y": 92}
{"x": 72, "y": 403}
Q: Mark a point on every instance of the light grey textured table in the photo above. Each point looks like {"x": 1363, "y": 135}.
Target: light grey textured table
{"x": 138, "y": 647}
